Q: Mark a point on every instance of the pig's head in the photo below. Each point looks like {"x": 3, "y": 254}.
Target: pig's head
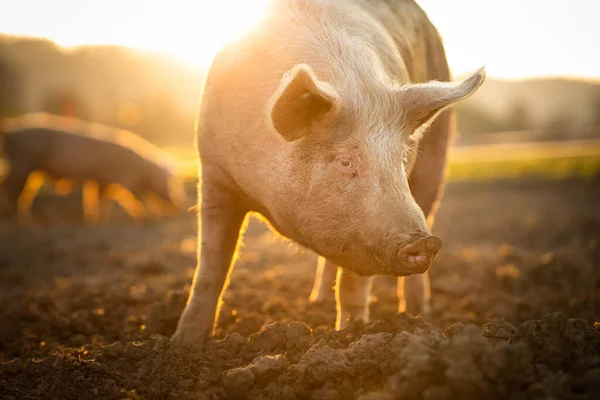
{"x": 345, "y": 167}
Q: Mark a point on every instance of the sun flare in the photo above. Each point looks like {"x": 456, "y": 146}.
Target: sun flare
{"x": 192, "y": 31}
{"x": 221, "y": 22}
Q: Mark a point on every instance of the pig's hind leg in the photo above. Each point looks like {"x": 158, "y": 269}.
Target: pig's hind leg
{"x": 324, "y": 281}
{"x": 221, "y": 221}
{"x": 126, "y": 200}
{"x": 352, "y": 296}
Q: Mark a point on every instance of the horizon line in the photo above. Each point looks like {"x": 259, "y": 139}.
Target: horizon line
{"x": 203, "y": 68}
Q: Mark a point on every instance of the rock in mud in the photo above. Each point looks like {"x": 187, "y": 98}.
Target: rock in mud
{"x": 162, "y": 343}
{"x": 14, "y": 366}
{"x": 266, "y": 366}
{"x": 499, "y": 330}
{"x": 454, "y": 329}
{"x": 58, "y": 361}
{"x": 136, "y": 350}
{"x": 369, "y": 355}
{"x": 321, "y": 363}
{"x": 237, "y": 381}
{"x": 113, "y": 350}
{"x": 297, "y": 330}
{"x": 34, "y": 366}
{"x": 270, "y": 337}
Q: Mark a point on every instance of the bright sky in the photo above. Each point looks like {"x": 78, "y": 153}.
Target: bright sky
{"x": 513, "y": 38}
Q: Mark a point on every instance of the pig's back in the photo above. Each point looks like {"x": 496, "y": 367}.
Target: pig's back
{"x": 83, "y": 157}
{"x": 415, "y": 37}
{"x": 69, "y": 148}
{"x": 64, "y": 154}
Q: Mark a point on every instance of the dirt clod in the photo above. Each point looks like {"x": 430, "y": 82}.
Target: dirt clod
{"x": 114, "y": 350}
{"x": 237, "y": 381}
{"x": 13, "y": 366}
{"x": 136, "y": 350}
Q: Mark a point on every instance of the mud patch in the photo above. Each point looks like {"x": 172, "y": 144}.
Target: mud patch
{"x": 88, "y": 310}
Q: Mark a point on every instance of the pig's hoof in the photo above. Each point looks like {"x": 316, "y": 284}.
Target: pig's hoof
{"x": 188, "y": 338}
{"x": 418, "y": 308}
{"x": 317, "y": 298}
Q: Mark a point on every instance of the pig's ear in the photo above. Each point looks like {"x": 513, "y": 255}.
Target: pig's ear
{"x": 422, "y": 102}
{"x": 300, "y": 101}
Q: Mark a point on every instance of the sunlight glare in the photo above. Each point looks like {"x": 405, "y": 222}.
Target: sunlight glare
{"x": 193, "y": 31}
{"x": 221, "y": 22}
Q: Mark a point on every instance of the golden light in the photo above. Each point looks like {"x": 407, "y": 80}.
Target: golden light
{"x": 193, "y": 31}
{"x": 220, "y": 22}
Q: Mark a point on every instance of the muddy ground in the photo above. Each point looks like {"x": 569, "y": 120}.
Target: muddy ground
{"x": 86, "y": 311}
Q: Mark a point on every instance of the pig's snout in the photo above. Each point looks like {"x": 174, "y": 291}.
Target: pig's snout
{"x": 417, "y": 256}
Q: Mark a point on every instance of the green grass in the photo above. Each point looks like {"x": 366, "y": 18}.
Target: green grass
{"x": 585, "y": 167}
{"x": 546, "y": 160}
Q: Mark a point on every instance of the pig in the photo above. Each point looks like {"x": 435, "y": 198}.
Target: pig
{"x": 330, "y": 120}
{"x": 109, "y": 162}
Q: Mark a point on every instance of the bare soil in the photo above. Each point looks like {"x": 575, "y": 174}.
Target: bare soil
{"x": 86, "y": 311}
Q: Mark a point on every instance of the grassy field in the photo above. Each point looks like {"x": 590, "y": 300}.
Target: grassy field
{"x": 553, "y": 160}
{"x": 546, "y": 160}
{"x": 549, "y": 160}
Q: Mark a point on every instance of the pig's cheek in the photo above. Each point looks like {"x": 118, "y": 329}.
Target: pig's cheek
{"x": 342, "y": 189}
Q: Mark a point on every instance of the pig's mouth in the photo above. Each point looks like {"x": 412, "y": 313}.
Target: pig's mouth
{"x": 413, "y": 257}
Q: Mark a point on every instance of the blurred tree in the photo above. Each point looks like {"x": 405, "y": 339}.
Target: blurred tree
{"x": 596, "y": 110}
{"x": 9, "y": 89}
{"x": 518, "y": 116}
{"x": 559, "y": 127}
{"x": 471, "y": 120}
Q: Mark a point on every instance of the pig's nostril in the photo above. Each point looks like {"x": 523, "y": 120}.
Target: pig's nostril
{"x": 416, "y": 257}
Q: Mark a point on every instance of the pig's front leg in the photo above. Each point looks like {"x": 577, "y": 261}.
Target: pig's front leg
{"x": 324, "y": 280}
{"x": 91, "y": 205}
{"x": 352, "y": 297}
{"x": 29, "y": 193}
{"x": 414, "y": 294}
{"x": 221, "y": 219}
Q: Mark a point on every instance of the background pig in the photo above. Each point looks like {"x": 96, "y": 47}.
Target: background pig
{"x": 107, "y": 161}
{"x": 314, "y": 120}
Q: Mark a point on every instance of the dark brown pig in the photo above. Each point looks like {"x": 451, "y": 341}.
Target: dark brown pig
{"x": 317, "y": 120}
{"x": 119, "y": 163}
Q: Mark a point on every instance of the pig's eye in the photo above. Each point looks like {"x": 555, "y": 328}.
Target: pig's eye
{"x": 345, "y": 166}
